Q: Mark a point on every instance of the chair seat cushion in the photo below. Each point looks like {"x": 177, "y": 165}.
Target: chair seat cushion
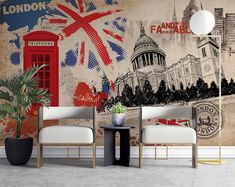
{"x": 66, "y": 135}
{"x": 154, "y": 134}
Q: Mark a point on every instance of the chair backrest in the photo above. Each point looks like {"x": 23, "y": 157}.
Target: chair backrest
{"x": 51, "y": 113}
{"x": 180, "y": 112}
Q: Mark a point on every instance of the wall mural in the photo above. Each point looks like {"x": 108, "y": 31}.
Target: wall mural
{"x": 136, "y": 52}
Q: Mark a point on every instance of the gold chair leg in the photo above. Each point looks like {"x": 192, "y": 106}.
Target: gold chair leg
{"x": 39, "y": 155}
{"x": 94, "y": 156}
{"x": 195, "y": 155}
{"x": 140, "y": 155}
{"x": 155, "y": 151}
{"x": 79, "y": 150}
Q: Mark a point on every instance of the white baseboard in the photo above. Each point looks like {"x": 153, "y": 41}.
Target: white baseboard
{"x": 148, "y": 152}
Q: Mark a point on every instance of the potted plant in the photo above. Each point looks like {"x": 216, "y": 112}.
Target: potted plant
{"x": 118, "y": 114}
{"x": 17, "y": 95}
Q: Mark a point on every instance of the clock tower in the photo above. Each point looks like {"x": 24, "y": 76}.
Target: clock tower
{"x": 209, "y": 51}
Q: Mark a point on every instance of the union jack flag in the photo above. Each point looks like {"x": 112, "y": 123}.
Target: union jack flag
{"x": 83, "y": 14}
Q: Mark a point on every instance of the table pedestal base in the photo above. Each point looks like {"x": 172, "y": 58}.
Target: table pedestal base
{"x": 110, "y": 144}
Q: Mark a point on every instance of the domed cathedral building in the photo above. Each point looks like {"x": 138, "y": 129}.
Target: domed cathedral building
{"x": 148, "y": 60}
{"x": 149, "y": 63}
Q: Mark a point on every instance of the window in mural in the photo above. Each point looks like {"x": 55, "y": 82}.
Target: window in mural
{"x": 44, "y": 74}
{"x": 204, "y": 52}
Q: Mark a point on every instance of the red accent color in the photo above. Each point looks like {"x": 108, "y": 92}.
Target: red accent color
{"x": 113, "y": 86}
{"x": 82, "y": 53}
{"x": 85, "y": 97}
{"x": 116, "y": 36}
{"x": 96, "y": 40}
{"x": 48, "y": 77}
{"x": 101, "y": 96}
{"x": 29, "y": 127}
{"x": 57, "y": 20}
{"x": 81, "y": 7}
{"x": 172, "y": 122}
{"x": 84, "y": 23}
{"x": 79, "y": 21}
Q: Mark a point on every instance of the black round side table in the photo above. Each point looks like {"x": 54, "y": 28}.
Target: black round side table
{"x": 109, "y": 144}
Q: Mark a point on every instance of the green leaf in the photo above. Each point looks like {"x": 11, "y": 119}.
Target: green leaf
{"x": 6, "y": 110}
{"x": 3, "y": 114}
{"x": 31, "y": 72}
{"x": 6, "y": 96}
{"x": 118, "y": 108}
{"x": 20, "y": 93}
{"x": 13, "y": 84}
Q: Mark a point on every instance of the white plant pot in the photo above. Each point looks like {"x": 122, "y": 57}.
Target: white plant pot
{"x": 118, "y": 119}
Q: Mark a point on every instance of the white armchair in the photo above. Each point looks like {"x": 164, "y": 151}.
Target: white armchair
{"x": 165, "y": 134}
{"x": 65, "y": 135}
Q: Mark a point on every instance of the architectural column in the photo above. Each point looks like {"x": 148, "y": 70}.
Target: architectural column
{"x": 137, "y": 63}
{"x": 155, "y": 59}
{"x": 142, "y": 61}
{"x": 133, "y": 64}
{"x": 162, "y": 60}
{"x": 152, "y": 59}
{"x": 149, "y": 59}
{"x": 158, "y": 58}
{"x": 145, "y": 57}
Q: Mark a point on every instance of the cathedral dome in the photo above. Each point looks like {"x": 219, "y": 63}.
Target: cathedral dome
{"x": 147, "y": 55}
{"x": 144, "y": 39}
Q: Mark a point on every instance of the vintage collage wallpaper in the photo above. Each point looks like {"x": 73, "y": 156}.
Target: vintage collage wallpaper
{"x": 138, "y": 52}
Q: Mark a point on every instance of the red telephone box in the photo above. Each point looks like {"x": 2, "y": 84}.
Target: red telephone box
{"x": 41, "y": 47}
